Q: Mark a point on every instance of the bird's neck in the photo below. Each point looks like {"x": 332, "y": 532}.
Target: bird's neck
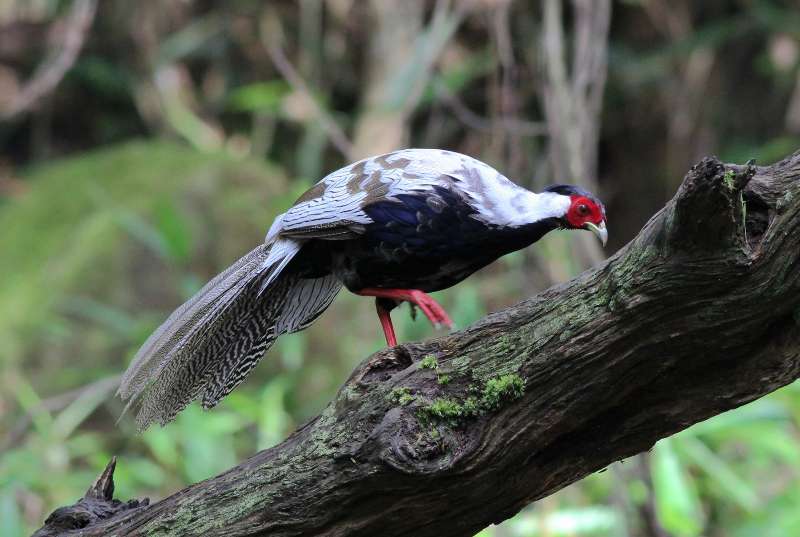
{"x": 512, "y": 206}
{"x": 521, "y": 217}
{"x": 509, "y": 239}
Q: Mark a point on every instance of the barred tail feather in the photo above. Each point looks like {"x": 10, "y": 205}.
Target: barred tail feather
{"x": 299, "y": 301}
{"x": 209, "y": 344}
{"x": 186, "y": 318}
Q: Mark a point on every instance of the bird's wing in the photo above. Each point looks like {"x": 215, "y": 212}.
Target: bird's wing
{"x": 334, "y": 208}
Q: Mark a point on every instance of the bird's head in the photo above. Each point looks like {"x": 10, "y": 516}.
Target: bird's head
{"x": 585, "y": 210}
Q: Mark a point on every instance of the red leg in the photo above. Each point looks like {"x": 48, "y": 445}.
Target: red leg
{"x": 432, "y": 310}
{"x": 386, "y": 323}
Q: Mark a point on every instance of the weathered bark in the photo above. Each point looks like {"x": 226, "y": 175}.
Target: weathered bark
{"x": 96, "y": 505}
{"x": 697, "y": 315}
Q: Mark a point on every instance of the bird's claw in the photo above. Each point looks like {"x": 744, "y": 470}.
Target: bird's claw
{"x": 416, "y": 298}
{"x": 431, "y": 309}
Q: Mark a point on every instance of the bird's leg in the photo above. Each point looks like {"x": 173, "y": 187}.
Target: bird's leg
{"x": 384, "y": 307}
{"x": 394, "y": 358}
{"x": 432, "y": 310}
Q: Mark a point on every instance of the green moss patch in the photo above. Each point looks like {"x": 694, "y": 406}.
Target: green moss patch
{"x": 444, "y": 409}
{"x": 495, "y": 393}
{"x": 429, "y": 362}
{"x": 401, "y": 396}
{"x": 728, "y": 179}
{"x": 502, "y": 389}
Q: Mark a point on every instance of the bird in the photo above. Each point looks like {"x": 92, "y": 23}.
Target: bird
{"x": 394, "y": 227}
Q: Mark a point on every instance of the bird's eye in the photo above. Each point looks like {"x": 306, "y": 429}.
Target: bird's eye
{"x": 583, "y": 209}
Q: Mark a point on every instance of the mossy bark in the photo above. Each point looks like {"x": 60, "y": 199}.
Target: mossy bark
{"x": 697, "y": 315}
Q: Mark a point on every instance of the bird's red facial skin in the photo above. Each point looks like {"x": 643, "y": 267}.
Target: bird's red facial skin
{"x": 584, "y": 210}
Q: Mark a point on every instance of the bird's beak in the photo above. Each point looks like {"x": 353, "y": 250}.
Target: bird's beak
{"x": 600, "y": 231}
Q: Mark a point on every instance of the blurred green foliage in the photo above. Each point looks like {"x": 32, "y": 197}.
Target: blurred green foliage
{"x": 181, "y": 141}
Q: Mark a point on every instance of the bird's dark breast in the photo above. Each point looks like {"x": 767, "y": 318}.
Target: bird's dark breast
{"x": 427, "y": 241}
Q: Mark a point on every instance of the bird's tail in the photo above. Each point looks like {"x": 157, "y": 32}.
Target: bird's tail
{"x": 210, "y": 343}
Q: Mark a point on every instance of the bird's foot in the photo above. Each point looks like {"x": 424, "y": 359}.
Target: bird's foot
{"x": 430, "y": 308}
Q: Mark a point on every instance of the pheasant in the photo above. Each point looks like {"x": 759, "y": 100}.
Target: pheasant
{"x": 394, "y": 227}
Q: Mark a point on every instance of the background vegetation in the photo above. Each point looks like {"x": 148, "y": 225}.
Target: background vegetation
{"x": 145, "y": 145}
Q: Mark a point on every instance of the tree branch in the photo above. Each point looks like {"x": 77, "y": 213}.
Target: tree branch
{"x": 697, "y": 315}
{"x": 50, "y": 73}
{"x": 336, "y": 135}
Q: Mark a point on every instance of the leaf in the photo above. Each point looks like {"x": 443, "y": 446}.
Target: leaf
{"x": 174, "y": 230}
{"x": 30, "y": 401}
{"x": 718, "y": 470}
{"x": 468, "y": 306}
{"x": 105, "y": 316}
{"x": 10, "y": 516}
{"x": 677, "y": 503}
{"x": 163, "y": 445}
{"x": 757, "y": 412}
{"x": 415, "y": 74}
{"x": 169, "y": 236}
{"x": 81, "y": 408}
{"x": 590, "y": 520}
{"x": 188, "y": 40}
{"x": 454, "y": 78}
{"x": 207, "y": 441}
{"x": 274, "y": 419}
{"x": 292, "y": 349}
{"x": 143, "y": 231}
{"x": 262, "y": 97}
{"x": 136, "y": 472}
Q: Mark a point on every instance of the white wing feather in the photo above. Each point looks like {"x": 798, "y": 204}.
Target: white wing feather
{"x": 496, "y": 199}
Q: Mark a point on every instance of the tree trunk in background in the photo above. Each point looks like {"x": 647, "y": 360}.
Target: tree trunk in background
{"x": 400, "y": 61}
{"x": 382, "y": 125}
{"x": 572, "y": 96}
{"x": 697, "y": 315}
